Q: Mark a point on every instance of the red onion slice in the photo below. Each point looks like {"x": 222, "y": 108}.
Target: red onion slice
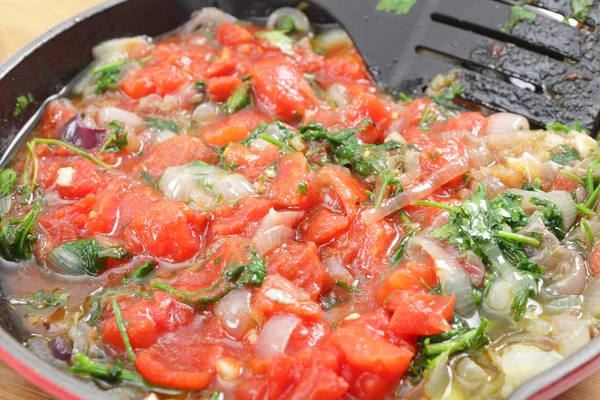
{"x": 74, "y": 131}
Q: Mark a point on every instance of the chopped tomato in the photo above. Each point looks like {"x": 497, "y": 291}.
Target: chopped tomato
{"x": 300, "y": 264}
{"x": 252, "y": 161}
{"x": 323, "y": 226}
{"x": 178, "y": 150}
{"x": 167, "y": 230}
{"x": 146, "y": 318}
{"x": 341, "y": 67}
{"x": 292, "y": 185}
{"x": 420, "y": 314}
{"x": 235, "y": 220}
{"x": 409, "y": 277}
{"x": 233, "y": 129}
{"x": 474, "y": 122}
{"x": 85, "y": 179}
{"x": 366, "y": 105}
{"x": 233, "y": 34}
{"x": 277, "y": 294}
{"x": 281, "y": 90}
{"x": 220, "y": 88}
{"x": 351, "y": 191}
{"x": 158, "y": 79}
{"x": 565, "y": 183}
{"x": 437, "y": 156}
{"x": 188, "y": 367}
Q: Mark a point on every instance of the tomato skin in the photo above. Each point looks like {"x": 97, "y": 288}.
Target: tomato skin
{"x": 233, "y": 129}
{"x": 594, "y": 259}
{"x": 220, "y": 88}
{"x": 292, "y": 174}
{"x": 410, "y": 277}
{"x": 178, "y": 150}
{"x": 281, "y": 90}
{"x": 241, "y": 218}
{"x": 300, "y": 264}
{"x": 86, "y": 180}
{"x": 160, "y": 79}
{"x": 350, "y": 190}
{"x": 189, "y": 367}
{"x": 166, "y": 230}
{"x": 302, "y": 305}
{"x": 323, "y": 226}
{"x": 146, "y": 319}
{"x": 421, "y": 314}
{"x": 233, "y": 34}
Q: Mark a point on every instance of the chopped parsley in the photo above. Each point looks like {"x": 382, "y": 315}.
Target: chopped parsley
{"x": 17, "y": 238}
{"x": 253, "y": 273}
{"x": 558, "y": 127}
{"x": 162, "y": 125}
{"x": 302, "y": 188}
{"x": 445, "y": 98}
{"x": 581, "y": 8}
{"x": 518, "y": 14}
{"x": 278, "y": 39}
{"x": 240, "y": 98}
{"x": 8, "y": 179}
{"x": 40, "y": 300}
{"x": 22, "y": 103}
{"x": 117, "y": 138}
{"x": 140, "y": 272}
{"x": 564, "y": 155}
{"x": 395, "y": 6}
{"x": 347, "y": 287}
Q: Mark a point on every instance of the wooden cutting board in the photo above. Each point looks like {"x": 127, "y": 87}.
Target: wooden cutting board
{"x": 20, "y": 22}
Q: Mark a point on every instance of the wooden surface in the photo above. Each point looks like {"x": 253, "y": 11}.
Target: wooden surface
{"x": 20, "y": 22}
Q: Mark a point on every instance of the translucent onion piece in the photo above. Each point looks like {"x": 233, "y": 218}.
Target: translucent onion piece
{"x": 561, "y": 198}
{"x": 190, "y": 182}
{"x": 275, "y": 334}
{"x": 439, "y": 378}
{"x": 570, "y": 332}
{"x": 5, "y": 203}
{"x": 500, "y": 297}
{"x": 453, "y": 278}
{"x": 512, "y": 138}
{"x": 506, "y": 122}
{"x": 417, "y": 192}
{"x": 591, "y": 299}
{"x": 572, "y": 278}
{"x": 276, "y": 218}
{"x": 521, "y": 362}
{"x": 332, "y": 39}
{"x": 40, "y": 347}
{"x": 272, "y": 238}
{"x": 117, "y": 48}
{"x": 205, "y": 113}
{"x": 412, "y": 167}
{"x": 109, "y": 114}
{"x": 207, "y": 18}
{"x": 337, "y": 270}
{"x": 338, "y": 93}
{"x": 234, "y": 312}
{"x": 300, "y": 19}
{"x": 470, "y": 374}
{"x": 563, "y": 304}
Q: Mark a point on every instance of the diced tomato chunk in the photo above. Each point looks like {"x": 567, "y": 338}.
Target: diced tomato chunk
{"x": 437, "y": 156}
{"x": 178, "y": 150}
{"x": 341, "y": 67}
{"x": 220, "y": 88}
{"x": 159, "y": 79}
{"x": 422, "y": 314}
{"x": 281, "y": 90}
{"x": 565, "y": 183}
{"x": 233, "y": 34}
{"x": 350, "y": 190}
{"x": 293, "y": 184}
{"x": 366, "y": 105}
{"x": 185, "y": 367}
{"x": 56, "y": 115}
{"x": 146, "y": 319}
{"x": 268, "y": 299}
{"x": 167, "y": 230}
{"x": 233, "y": 129}
{"x": 300, "y": 264}
{"x": 323, "y": 226}
{"x": 474, "y": 122}
{"x": 241, "y": 217}
{"x": 85, "y": 179}
{"x": 410, "y": 277}
{"x": 594, "y": 259}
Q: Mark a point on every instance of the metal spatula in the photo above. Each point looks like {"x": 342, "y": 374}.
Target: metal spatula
{"x": 545, "y": 69}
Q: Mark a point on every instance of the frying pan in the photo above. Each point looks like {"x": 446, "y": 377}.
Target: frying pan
{"x": 47, "y": 65}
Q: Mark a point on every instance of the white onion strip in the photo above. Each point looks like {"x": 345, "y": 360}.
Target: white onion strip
{"x": 417, "y": 192}
{"x": 275, "y": 334}
{"x": 561, "y": 198}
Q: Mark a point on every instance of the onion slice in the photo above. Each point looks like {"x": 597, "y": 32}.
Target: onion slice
{"x": 275, "y": 334}
{"x": 74, "y": 131}
{"x": 561, "y": 198}
{"x": 417, "y": 192}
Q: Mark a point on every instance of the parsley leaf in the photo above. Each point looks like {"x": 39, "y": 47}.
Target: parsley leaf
{"x": 8, "y": 178}
{"x": 518, "y": 14}
{"x": 558, "y": 127}
{"x": 564, "y": 155}
{"x": 22, "y": 103}
{"x": 162, "y": 125}
{"x": 396, "y": 6}
{"x": 16, "y": 238}
{"x": 278, "y": 39}
{"x": 140, "y": 272}
{"x": 446, "y": 97}
{"x": 117, "y": 139}
{"x": 40, "y": 300}
{"x": 580, "y": 9}
{"x": 347, "y": 287}
{"x": 254, "y": 272}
